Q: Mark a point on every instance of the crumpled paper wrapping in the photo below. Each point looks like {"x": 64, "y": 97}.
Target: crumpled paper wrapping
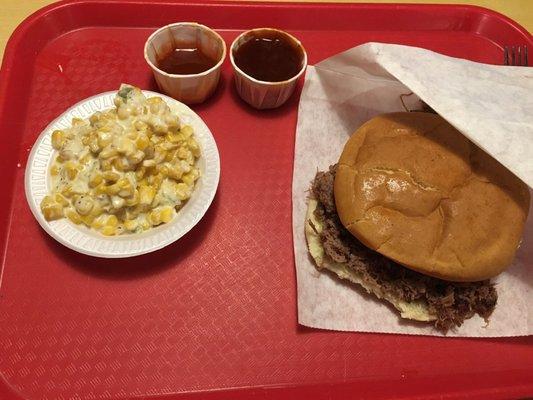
{"x": 491, "y": 105}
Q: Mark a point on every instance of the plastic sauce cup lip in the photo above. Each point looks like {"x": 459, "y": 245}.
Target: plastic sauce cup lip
{"x": 291, "y": 37}
{"x": 203, "y": 73}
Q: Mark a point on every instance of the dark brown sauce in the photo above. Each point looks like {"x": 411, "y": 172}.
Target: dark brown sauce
{"x": 269, "y": 56}
{"x": 185, "y": 62}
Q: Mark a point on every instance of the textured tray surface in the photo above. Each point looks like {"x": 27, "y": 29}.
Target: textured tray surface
{"x": 217, "y": 309}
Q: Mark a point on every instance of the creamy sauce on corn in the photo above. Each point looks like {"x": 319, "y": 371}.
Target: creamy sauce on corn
{"x": 123, "y": 170}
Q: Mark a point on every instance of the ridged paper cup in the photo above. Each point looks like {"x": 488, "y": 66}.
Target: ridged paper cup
{"x": 190, "y": 88}
{"x": 263, "y": 94}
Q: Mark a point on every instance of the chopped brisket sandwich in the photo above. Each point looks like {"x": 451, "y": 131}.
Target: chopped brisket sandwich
{"x": 419, "y": 216}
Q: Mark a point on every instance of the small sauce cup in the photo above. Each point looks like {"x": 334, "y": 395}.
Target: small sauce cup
{"x": 188, "y": 88}
{"x": 251, "y": 82}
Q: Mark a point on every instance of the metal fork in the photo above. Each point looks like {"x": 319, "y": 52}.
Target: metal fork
{"x": 515, "y": 55}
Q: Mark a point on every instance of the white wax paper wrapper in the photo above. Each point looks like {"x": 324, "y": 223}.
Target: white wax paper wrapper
{"x": 491, "y": 105}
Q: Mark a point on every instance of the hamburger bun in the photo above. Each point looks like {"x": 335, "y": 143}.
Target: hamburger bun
{"x": 413, "y": 188}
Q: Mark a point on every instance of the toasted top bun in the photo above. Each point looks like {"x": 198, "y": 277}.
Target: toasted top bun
{"x": 413, "y": 188}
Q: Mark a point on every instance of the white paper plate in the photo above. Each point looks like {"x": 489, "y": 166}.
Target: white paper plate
{"x": 90, "y": 242}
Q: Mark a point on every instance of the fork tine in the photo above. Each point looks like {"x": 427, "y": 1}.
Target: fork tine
{"x": 516, "y": 55}
{"x": 506, "y": 55}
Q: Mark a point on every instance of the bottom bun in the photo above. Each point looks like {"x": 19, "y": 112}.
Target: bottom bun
{"x": 416, "y": 310}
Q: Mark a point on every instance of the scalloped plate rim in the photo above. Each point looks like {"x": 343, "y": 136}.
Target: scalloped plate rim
{"x": 209, "y": 140}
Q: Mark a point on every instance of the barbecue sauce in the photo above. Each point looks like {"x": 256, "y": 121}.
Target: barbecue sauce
{"x": 269, "y": 56}
{"x": 185, "y": 62}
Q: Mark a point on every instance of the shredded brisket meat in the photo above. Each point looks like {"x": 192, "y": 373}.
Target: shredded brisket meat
{"x": 450, "y": 302}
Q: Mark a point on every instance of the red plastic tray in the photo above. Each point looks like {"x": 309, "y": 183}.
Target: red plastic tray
{"x": 213, "y": 315}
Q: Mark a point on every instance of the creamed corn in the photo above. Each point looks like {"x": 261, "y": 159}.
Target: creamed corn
{"x": 123, "y": 170}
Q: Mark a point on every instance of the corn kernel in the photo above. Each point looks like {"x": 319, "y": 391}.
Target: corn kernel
{"x": 140, "y": 125}
{"x": 126, "y": 146}
{"x": 105, "y": 220}
{"x": 50, "y": 209}
{"x": 183, "y": 153}
{"x": 149, "y": 151}
{"x": 126, "y": 188}
{"x": 186, "y": 131}
{"x": 111, "y": 176}
{"x": 175, "y": 172}
{"x": 74, "y": 217}
{"x": 145, "y": 224}
{"x": 101, "y": 189}
{"x": 106, "y": 165}
{"x": 123, "y": 111}
{"x": 93, "y": 145}
{"x": 61, "y": 199}
{"x": 146, "y": 195}
{"x": 172, "y": 121}
{"x": 104, "y": 138}
{"x": 157, "y": 180}
{"x": 66, "y": 154}
{"x": 54, "y": 170}
{"x": 132, "y": 135}
{"x": 108, "y": 230}
{"x": 159, "y": 128}
{"x": 134, "y": 199}
{"x": 161, "y": 215}
{"x": 155, "y": 217}
{"x": 95, "y": 179}
{"x": 163, "y": 169}
{"x": 108, "y": 152}
{"x": 112, "y": 189}
{"x": 159, "y": 154}
{"x": 93, "y": 119}
{"x": 87, "y": 220}
{"x": 96, "y": 211}
{"x": 131, "y": 225}
{"x": 156, "y": 104}
{"x": 196, "y": 173}
{"x": 124, "y": 183}
{"x": 67, "y": 191}
{"x": 167, "y": 146}
{"x": 194, "y": 147}
{"x": 122, "y": 164}
{"x": 58, "y": 139}
{"x": 183, "y": 191}
{"x": 188, "y": 179}
{"x": 99, "y": 222}
{"x": 175, "y": 138}
{"x": 142, "y": 142}
{"x": 47, "y": 200}
{"x": 139, "y": 174}
{"x": 166, "y": 214}
{"x": 171, "y": 155}
{"x": 136, "y": 157}
{"x": 71, "y": 170}
{"x": 112, "y": 221}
